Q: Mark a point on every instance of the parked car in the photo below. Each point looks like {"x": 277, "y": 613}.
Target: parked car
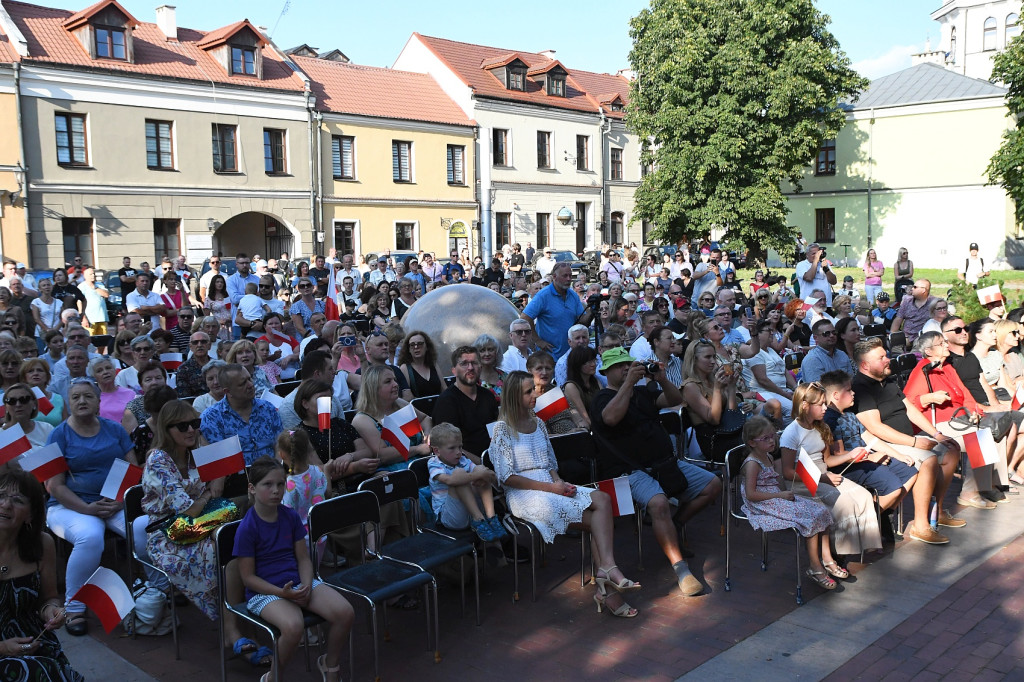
{"x": 561, "y": 256}
{"x": 396, "y": 257}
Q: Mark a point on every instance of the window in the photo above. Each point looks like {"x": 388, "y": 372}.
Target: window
{"x": 166, "y": 239}
{"x": 273, "y": 151}
{"x": 243, "y": 60}
{"x": 343, "y": 157}
{"x": 616, "y": 236}
{"x": 499, "y": 147}
{"x": 582, "y": 152}
{"x": 556, "y": 86}
{"x": 404, "y": 236}
{"x": 645, "y": 232}
{"x": 110, "y": 43}
{"x": 345, "y": 237}
{"x": 825, "y": 225}
{"x": 225, "y": 159}
{"x": 456, "y": 165}
{"x": 989, "y": 34}
{"x": 826, "y": 164}
{"x": 543, "y": 149}
{"x": 616, "y": 164}
{"x": 516, "y": 78}
{"x": 158, "y": 145}
{"x": 543, "y": 230}
{"x": 617, "y": 106}
{"x": 401, "y": 161}
{"x": 71, "y": 139}
{"x": 503, "y": 228}
{"x": 951, "y": 57}
{"x": 1012, "y": 28}
{"x": 77, "y": 239}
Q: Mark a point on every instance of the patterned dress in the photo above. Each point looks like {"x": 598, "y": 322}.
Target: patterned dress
{"x": 19, "y": 617}
{"x": 192, "y": 568}
{"x": 530, "y": 455}
{"x": 302, "y": 491}
{"x": 806, "y": 515}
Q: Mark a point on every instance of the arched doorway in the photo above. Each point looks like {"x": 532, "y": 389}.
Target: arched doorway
{"x": 256, "y": 233}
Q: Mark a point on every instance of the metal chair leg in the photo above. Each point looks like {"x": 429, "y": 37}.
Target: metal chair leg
{"x": 799, "y": 573}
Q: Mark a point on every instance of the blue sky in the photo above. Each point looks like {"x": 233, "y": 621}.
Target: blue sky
{"x": 588, "y": 34}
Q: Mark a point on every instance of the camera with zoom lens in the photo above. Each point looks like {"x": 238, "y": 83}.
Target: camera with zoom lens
{"x": 651, "y": 367}
{"x": 595, "y": 299}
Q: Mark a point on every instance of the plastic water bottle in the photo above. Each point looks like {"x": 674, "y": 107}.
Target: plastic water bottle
{"x": 933, "y": 514}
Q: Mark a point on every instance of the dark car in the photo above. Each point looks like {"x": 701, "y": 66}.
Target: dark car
{"x": 112, "y": 281}
{"x": 570, "y": 257}
{"x": 227, "y": 267}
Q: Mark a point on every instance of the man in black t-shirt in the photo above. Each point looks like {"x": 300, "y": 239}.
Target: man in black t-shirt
{"x": 320, "y": 274}
{"x": 625, "y": 415}
{"x": 495, "y": 273}
{"x": 515, "y": 264}
{"x": 467, "y": 404}
{"x": 888, "y": 415}
{"x": 127, "y": 277}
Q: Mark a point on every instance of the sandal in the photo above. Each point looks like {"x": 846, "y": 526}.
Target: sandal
{"x": 243, "y": 645}
{"x": 624, "y": 610}
{"x": 625, "y": 585}
{"x": 262, "y": 657}
{"x": 821, "y": 578}
{"x": 321, "y": 665}
{"x": 1016, "y": 479}
{"x": 835, "y": 570}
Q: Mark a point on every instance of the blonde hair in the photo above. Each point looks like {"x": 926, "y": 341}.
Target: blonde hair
{"x": 369, "y": 393}
{"x": 238, "y": 346}
{"x": 444, "y": 434}
{"x": 1004, "y": 327}
{"x": 512, "y": 411}
{"x": 812, "y": 394}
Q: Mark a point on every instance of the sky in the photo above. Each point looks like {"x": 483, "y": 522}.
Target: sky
{"x": 593, "y": 35}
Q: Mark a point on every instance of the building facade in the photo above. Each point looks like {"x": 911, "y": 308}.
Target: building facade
{"x": 13, "y": 226}
{"x": 971, "y": 33}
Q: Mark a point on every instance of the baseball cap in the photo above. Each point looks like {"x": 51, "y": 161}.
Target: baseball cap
{"x": 682, "y": 302}
{"x": 519, "y": 294}
{"x": 19, "y": 266}
{"x": 974, "y": 246}
{"x": 614, "y": 356}
{"x": 882, "y": 296}
{"x": 848, "y": 278}
{"x": 382, "y": 259}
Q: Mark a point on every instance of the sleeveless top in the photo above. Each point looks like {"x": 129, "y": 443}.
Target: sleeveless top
{"x": 432, "y": 385}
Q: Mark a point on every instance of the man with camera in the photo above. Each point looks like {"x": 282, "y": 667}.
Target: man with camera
{"x": 626, "y": 414}
{"x": 814, "y": 273}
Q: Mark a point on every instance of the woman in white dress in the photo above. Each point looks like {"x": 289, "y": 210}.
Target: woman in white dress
{"x": 525, "y": 464}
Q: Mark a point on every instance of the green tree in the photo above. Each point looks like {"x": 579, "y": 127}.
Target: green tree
{"x": 734, "y": 97}
{"x": 1006, "y": 168}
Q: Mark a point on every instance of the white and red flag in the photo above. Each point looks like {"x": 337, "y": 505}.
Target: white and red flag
{"x": 618, "y": 490}
{"x": 331, "y": 302}
{"x": 1018, "y": 398}
{"x": 551, "y": 403}
{"x": 279, "y": 338}
{"x": 45, "y": 462}
{"x": 171, "y": 361}
{"x": 323, "y": 412}
{"x": 45, "y": 406}
{"x": 808, "y": 471}
{"x": 13, "y": 442}
{"x": 107, "y": 595}
{"x": 981, "y": 448}
{"x": 399, "y": 428}
{"x": 808, "y": 304}
{"x": 219, "y": 459}
{"x": 121, "y": 476}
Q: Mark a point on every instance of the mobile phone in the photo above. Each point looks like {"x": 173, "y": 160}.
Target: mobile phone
{"x": 749, "y": 312}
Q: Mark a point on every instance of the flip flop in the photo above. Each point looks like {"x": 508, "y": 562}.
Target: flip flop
{"x": 242, "y": 646}
{"x": 262, "y": 657}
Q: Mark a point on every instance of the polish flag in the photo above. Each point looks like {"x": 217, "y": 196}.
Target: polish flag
{"x": 171, "y": 361}
{"x": 277, "y": 338}
{"x": 981, "y": 448}
{"x": 808, "y": 471}
{"x": 107, "y": 595}
{"x": 219, "y": 459}
{"x": 808, "y": 304}
{"x": 323, "y": 412}
{"x": 121, "y": 476}
{"x": 399, "y": 429}
{"x": 45, "y": 462}
{"x": 45, "y": 406}
{"x": 331, "y": 302}
{"x": 1018, "y": 398}
{"x": 551, "y": 403}
{"x": 618, "y": 490}
{"x": 272, "y": 398}
{"x": 13, "y": 442}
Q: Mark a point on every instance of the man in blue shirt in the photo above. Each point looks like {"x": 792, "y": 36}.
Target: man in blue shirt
{"x": 824, "y": 357}
{"x": 236, "y": 288}
{"x": 240, "y": 413}
{"x": 453, "y": 272}
{"x": 554, "y": 309}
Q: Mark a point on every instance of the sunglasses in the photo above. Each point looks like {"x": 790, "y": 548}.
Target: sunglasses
{"x": 199, "y": 342}
{"x": 305, "y": 286}
{"x": 520, "y": 331}
{"x": 19, "y": 401}
{"x": 184, "y": 427}
{"x": 828, "y": 333}
{"x": 956, "y": 330}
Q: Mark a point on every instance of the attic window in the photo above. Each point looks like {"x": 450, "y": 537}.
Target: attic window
{"x": 243, "y": 60}
{"x": 617, "y": 106}
{"x": 516, "y": 78}
{"x": 110, "y": 43}
{"x": 556, "y": 85}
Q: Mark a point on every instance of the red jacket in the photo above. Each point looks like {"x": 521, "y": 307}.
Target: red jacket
{"x": 945, "y": 379}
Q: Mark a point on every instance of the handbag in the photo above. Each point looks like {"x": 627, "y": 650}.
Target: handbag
{"x": 999, "y": 423}
{"x": 717, "y": 439}
{"x": 182, "y": 529}
{"x": 672, "y": 481}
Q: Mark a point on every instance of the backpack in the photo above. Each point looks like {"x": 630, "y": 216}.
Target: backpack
{"x": 150, "y": 617}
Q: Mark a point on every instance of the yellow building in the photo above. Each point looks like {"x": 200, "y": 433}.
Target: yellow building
{"x": 13, "y": 232}
{"x": 395, "y": 160}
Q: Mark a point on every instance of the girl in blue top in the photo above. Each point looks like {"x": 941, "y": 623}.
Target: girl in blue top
{"x": 278, "y": 575}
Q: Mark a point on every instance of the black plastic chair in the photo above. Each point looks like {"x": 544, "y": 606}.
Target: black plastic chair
{"x": 872, "y": 330}
{"x": 577, "y": 457}
{"x": 425, "y": 404}
{"x": 224, "y": 551}
{"x": 901, "y": 366}
{"x": 426, "y": 548}
{"x": 376, "y": 581}
{"x": 285, "y": 387}
{"x": 132, "y": 510}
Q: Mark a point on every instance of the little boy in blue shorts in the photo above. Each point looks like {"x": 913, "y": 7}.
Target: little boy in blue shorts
{"x": 461, "y": 491}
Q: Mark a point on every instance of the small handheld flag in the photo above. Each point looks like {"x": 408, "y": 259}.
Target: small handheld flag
{"x": 981, "y": 448}
{"x": 13, "y": 443}
{"x": 107, "y": 595}
{"x": 45, "y": 406}
{"x": 618, "y": 490}
{"x": 45, "y": 462}
{"x": 399, "y": 428}
{"x": 121, "y": 476}
{"x": 323, "y": 413}
{"x": 171, "y": 361}
{"x": 808, "y": 471}
{"x": 219, "y": 459}
{"x": 550, "y": 404}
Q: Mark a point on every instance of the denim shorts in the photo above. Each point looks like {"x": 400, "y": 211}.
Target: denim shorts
{"x": 643, "y": 487}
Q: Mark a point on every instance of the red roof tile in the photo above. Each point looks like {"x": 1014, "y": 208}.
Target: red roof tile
{"x": 50, "y": 43}
{"x": 544, "y": 68}
{"x": 7, "y": 51}
{"x": 604, "y": 87}
{"x": 79, "y": 18}
{"x": 222, "y": 35}
{"x": 384, "y": 93}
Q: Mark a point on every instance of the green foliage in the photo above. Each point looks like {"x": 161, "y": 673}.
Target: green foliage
{"x": 735, "y": 96}
{"x": 964, "y": 299}
{"x": 1006, "y": 168}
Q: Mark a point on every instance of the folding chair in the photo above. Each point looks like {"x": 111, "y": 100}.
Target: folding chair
{"x": 133, "y": 510}
{"x": 578, "y": 453}
{"x": 901, "y": 367}
{"x": 350, "y": 415}
{"x": 425, "y": 404}
{"x": 733, "y": 463}
{"x": 376, "y": 581}
{"x": 224, "y": 543}
{"x": 872, "y": 330}
{"x": 286, "y": 387}
{"x": 897, "y": 340}
{"x": 426, "y": 548}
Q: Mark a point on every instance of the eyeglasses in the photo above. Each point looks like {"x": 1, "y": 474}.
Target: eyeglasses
{"x": 828, "y": 333}
{"x": 18, "y": 401}
{"x": 715, "y": 327}
{"x": 260, "y": 286}
{"x": 767, "y": 438}
{"x": 377, "y": 332}
{"x": 143, "y": 349}
{"x": 417, "y": 344}
{"x": 520, "y": 331}
{"x": 193, "y": 424}
{"x": 199, "y": 342}
{"x": 14, "y": 499}
{"x": 305, "y": 286}
{"x": 10, "y": 363}
{"x": 956, "y": 330}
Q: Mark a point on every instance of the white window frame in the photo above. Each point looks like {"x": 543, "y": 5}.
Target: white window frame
{"x": 415, "y": 234}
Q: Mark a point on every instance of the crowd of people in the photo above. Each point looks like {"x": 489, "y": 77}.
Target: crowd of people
{"x": 201, "y": 358}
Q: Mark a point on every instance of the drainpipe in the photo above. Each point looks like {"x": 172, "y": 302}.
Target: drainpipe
{"x": 320, "y": 172}
{"x": 24, "y": 167}
{"x": 486, "y": 201}
{"x": 606, "y": 190}
{"x": 871, "y": 167}
{"x": 313, "y": 180}
{"x": 478, "y": 237}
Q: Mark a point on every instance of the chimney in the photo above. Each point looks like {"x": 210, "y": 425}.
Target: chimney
{"x": 167, "y": 22}
{"x": 550, "y": 54}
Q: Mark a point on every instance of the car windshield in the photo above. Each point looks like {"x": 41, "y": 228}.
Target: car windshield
{"x": 561, "y": 256}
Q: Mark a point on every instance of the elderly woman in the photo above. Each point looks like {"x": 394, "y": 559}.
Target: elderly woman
{"x": 542, "y": 366}
{"x": 525, "y": 465}
{"x": 215, "y": 390}
{"x": 418, "y": 362}
{"x": 77, "y": 513}
{"x": 113, "y": 398}
{"x": 151, "y": 375}
{"x": 491, "y": 376}
{"x": 378, "y": 397}
{"x": 21, "y": 409}
{"x": 243, "y": 352}
{"x": 938, "y": 310}
{"x": 143, "y": 351}
{"x": 30, "y": 605}
{"x": 36, "y": 373}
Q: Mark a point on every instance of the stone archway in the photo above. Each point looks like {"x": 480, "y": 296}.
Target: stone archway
{"x": 254, "y": 232}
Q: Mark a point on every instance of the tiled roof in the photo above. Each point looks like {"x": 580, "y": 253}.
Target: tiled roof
{"x": 7, "y": 51}
{"x": 920, "y": 84}
{"x": 50, "y": 43}
{"x": 604, "y": 87}
{"x": 544, "y": 68}
{"x": 467, "y": 60}
{"x": 223, "y": 34}
{"x": 81, "y": 17}
{"x": 384, "y": 93}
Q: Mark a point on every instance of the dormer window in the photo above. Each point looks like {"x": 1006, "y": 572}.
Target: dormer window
{"x": 110, "y": 43}
{"x": 617, "y": 106}
{"x": 556, "y": 85}
{"x": 516, "y": 78}
{"x": 243, "y": 60}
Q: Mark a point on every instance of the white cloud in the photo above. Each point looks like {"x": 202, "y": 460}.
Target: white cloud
{"x": 895, "y": 59}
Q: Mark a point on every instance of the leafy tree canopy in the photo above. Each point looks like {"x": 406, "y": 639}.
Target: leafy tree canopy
{"x": 1007, "y": 165}
{"x": 734, "y": 97}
